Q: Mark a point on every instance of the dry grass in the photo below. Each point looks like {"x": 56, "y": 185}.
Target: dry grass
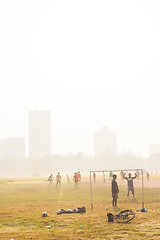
{"x": 23, "y": 201}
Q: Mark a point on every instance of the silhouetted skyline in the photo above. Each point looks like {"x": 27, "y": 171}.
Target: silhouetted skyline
{"x": 40, "y": 135}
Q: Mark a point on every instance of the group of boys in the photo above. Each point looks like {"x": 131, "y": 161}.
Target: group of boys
{"x": 76, "y": 179}
{"x": 58, "y": 179}
{"x": 104, "y": 176}
{"x": 115, "y": 189}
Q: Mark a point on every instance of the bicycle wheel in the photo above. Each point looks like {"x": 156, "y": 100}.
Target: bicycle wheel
{"x": 125, "y": 216}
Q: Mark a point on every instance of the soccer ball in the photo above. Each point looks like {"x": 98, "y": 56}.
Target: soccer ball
{"x": 44, "y": 214}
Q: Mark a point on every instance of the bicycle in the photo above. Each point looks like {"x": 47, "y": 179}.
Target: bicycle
{"x": 124, "y": 216}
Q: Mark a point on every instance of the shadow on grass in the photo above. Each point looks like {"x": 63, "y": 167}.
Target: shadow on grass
{"x": 133, "y": 200}
{"x": 116, "y": 209}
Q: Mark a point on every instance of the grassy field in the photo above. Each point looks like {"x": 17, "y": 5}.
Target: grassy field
{"x": 22, "y": 202}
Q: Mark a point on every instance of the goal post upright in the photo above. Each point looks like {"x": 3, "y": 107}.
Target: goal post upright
{"x": 142, "y": 190}
{"x": 91, "y": 189}
{"x": 124, "y": 170}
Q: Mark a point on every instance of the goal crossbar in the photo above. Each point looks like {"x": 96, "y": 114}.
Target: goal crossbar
{"x": 117, "y": 170}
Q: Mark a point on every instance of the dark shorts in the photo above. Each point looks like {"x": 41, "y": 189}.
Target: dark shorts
{"x": 114, "y": 195}
{"x": 130, "y": 188}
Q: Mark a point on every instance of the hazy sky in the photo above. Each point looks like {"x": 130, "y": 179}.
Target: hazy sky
{"x": 92, "y": 63}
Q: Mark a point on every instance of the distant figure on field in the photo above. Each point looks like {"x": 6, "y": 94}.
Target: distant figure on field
{"x": 94, "y": 177}
{"x": 104, "y": 177}
{"x": 58, "y": 179}
{"x": 130, "y": 183}
{"x": 110, "y": 176}
{"x": 148, "y": 176}
{"x": 76, "y": 179}
{"x": 137, "y": 173}
{"x": 122, "y": 174}
{"x": 50, "y": 179}
{"x": 68, "y": 179}
{"x": 115, "y": 190}
{"x": 79, "y": 177}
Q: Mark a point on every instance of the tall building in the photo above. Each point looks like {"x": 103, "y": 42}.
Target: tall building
{"x": 12, "y": 148}
{"x": 39, "y": 133}
{"x": 105, "y": 141}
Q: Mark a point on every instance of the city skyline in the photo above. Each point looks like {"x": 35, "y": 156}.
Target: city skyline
{"x": 53, "y": 151}
{"x": 105, "y": 141}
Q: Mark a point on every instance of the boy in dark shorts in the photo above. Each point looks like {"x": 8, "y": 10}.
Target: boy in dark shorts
{"x": 115, "y": 190}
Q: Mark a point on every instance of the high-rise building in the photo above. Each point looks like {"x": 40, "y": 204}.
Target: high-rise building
{"x": 105, "y": 141}
{"x": 39, "y": 133}
{"x": 12, "y": 148}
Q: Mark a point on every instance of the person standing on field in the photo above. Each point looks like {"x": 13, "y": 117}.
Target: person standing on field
{"x": 68, "y": 179}
{"x": 122, "y": 174}
{"x": 76, "y": 179}
{"x": 137, "y": 173}
{"x": 58, "y": 179}
{"x": 50, "y": 179}
{"x": 115, "y": 190}
{"x": 79, "y": 177}
{"x": 110, "y": 176}
{"x": 148, "y": 176}
{"x": 94, "y": 177}
{"x": 130, "y": 183}
{"x": 104, "y": 177}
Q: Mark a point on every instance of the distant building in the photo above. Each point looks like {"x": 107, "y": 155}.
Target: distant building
{"x": 39, "y": 133}
{"x": 154, "y": 148}
{"x": 12, "y": 148}
{"x": 105, "y": 141}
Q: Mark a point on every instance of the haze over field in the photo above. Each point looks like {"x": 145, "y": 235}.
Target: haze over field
{"x": 91, "y": 63}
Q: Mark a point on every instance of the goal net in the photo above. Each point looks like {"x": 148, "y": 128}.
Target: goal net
{"x": 100, "y": 188}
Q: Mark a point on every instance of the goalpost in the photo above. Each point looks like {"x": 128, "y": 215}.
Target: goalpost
{"x": 114, "y": 171}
